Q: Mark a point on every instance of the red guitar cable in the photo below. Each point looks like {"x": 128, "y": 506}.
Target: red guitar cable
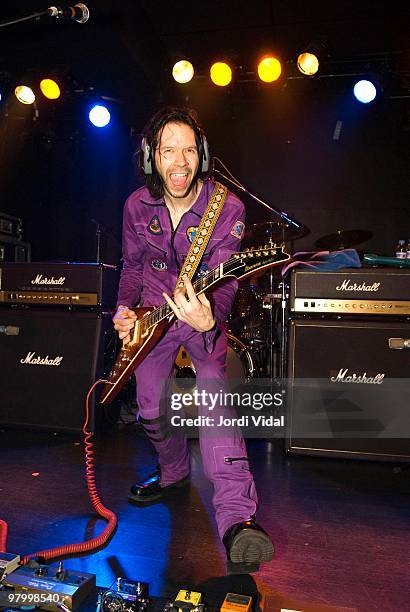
{"x": 98, "y": 506}
{"x": 3, "y": 535}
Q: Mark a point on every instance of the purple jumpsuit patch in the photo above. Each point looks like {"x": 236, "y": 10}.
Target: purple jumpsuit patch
{"x": 154, "y": 226}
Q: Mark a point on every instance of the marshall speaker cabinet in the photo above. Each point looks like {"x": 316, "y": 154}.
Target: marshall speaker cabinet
{"x": 49, "y": 366}
{"x": 53, "y": 332}
{"x": 349, "y": 374}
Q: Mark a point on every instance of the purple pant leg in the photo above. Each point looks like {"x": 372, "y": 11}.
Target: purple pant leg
{"x": 235, "y": 497}
{"x": 151, "y": 377}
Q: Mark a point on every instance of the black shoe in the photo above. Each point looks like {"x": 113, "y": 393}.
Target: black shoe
{"x": 150, "y": 490}
{"x": 247, "y": 543}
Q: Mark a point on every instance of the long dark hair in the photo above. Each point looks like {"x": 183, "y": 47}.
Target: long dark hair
{"x": 152, "y": 134}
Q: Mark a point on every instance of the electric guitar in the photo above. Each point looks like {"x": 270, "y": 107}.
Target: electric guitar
{"x": 152, "y": 324}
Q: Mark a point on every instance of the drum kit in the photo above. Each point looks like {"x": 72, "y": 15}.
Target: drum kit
{"x": 258, "y": 322}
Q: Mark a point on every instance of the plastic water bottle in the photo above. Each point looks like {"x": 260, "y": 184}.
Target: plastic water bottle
{"x": 401, "y": 249}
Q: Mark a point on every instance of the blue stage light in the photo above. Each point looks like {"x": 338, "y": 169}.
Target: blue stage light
{"x": 364, "y": 91}
{"x": 99, "y": 115}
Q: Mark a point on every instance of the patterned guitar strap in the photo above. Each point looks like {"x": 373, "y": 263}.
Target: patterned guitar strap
{"x": 203, "y": 234}
{"x": 157, "y": 429}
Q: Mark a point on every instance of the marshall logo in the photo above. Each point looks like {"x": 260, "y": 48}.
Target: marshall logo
{"x": 344, "y": 377}
{"x": 40, "y": 280}
{"x": 30, "y": 359}
{"x": 346, "y": 286}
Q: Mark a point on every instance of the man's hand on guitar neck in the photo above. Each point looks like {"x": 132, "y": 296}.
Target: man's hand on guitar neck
{"x": 192, "y": 309}
{"x": 124, "y": 321}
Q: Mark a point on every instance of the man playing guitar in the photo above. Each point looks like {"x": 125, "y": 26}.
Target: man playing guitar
{"x": 160, "y": 222}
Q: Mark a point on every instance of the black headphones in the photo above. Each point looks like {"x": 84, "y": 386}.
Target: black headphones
{"x": 147, "y": 154}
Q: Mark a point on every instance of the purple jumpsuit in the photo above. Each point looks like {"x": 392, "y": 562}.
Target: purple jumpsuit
{"x": 153, "y": 254}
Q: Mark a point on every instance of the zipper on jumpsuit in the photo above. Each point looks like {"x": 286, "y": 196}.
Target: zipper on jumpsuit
{"x": 232, "y": 459}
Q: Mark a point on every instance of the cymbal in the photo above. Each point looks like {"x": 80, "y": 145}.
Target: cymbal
{"x": 275, "y": 231}
{"x": 343, "y": 239}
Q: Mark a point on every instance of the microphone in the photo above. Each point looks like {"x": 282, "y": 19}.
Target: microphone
{"x": 79, "y": 12}
{"x": 9, "y": 330}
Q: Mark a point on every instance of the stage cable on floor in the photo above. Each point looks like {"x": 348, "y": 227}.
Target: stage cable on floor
{"x": 98, "y": 506}
{"x": 3, "y": 536}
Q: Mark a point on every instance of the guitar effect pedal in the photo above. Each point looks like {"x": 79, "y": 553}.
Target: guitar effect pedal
{"x": 47, "y": 587}
{"x": 186, "y": 601}
{"x": 237, "y": 603}
{"x": 8, "y": 563}
{"x": 125, "y": 596}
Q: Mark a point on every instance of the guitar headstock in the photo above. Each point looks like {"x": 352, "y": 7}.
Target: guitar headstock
{"x": 252, "y": 260}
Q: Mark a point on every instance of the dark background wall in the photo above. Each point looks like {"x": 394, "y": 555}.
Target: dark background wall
{"x": 60, "y": 174}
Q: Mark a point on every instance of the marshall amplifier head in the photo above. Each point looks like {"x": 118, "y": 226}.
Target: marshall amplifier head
{"x": 86, "y": 285}
{"x": 351, "y": 291}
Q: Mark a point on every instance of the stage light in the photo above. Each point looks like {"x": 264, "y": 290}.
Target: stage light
{"x": 364, "y": 91}
{"x": 50, "y": 89}
{"x": 183, "y": 71}
{"x": 313, "y": 55}
{"x": 308, "y": 63}
{"x": 99, "y": 115}
{"x": 221, "y": 74}
{"x": 269, "y": 69}
{"x": 24, "y": 94}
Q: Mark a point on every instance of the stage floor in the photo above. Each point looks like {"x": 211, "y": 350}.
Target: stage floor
{"x": 340, "y": 527}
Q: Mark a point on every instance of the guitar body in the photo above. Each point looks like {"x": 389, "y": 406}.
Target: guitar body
{"x": 132, "y": 354}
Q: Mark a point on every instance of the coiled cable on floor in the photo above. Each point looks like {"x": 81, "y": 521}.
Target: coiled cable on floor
{"x": 3, "y": 535}
{"x": 101, "y": 510}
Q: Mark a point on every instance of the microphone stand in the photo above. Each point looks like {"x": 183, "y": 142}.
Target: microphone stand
{"x": 287, "y": 222}
{"x": 101, "y": 230}
{"x": 279, "y": 213}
